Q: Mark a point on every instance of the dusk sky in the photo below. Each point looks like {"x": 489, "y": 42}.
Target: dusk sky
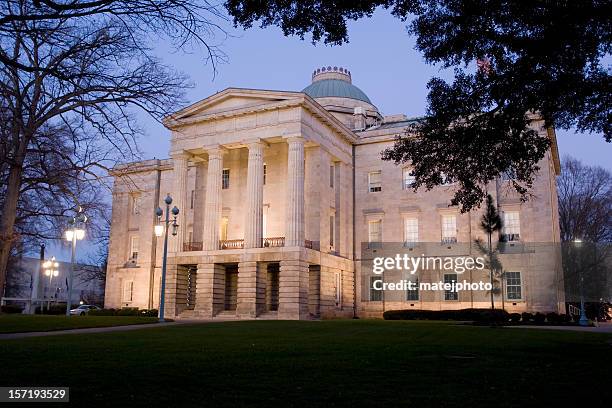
{"x": 380, "y": 56}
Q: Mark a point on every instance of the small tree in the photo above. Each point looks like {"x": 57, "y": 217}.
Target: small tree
{"x": 490, "y": 223}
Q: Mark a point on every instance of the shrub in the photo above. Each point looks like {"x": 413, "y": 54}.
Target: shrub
{"x": 51, "y": 310}
{"x": 103, "y": 312}
{"x": 478, "y": 315}
{"x": 526, "y": 317}
{"x": 539, "y": 318}
{"x": 149, "y": 313}
{"x": 515, "y": 317}
{"x": 564, "y": 318}
{"x": 553, "y": 318}
{"x": 128, "y": 311}
{"x": 11, "y": 309}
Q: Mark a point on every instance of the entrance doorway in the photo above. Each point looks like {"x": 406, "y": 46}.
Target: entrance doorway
{"x": 231, "y": 287}
{"x": 272, "y": 285}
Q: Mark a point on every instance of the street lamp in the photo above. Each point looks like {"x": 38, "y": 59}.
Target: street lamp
{"x": 51, "y": 270}
{"x": 74, "y": 234}
{"x": 583, "y": 320}
{"x": 162, "y": 229}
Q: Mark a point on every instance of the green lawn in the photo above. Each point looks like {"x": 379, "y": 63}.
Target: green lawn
{"x": 329, "y": 363}
{"x": 17, "y": 323}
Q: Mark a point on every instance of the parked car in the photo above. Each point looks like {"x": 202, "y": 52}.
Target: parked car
{"x": 82, "y": 310}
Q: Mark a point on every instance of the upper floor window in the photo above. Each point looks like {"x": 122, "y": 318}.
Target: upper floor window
{"x": 331, "y": 176}
{"x": 135, "y": 205}
{"x": 449, "y": 229}
{"x": 265, "y": 173}
{"x": 223, "y": 228}
{"x": 512, "y": 226}
{"x": 375, "y": 231}
{"x": 192, "y": 199}
{"x": 411, "y": 231}
{"x": 513, "y": 286}
{"x": 407, "y": 178}
{"x": 134, "y": 247}
{"x": 508, "y": 175}
{"x": 225, "y": 179}
{"x": 375, "y": 181}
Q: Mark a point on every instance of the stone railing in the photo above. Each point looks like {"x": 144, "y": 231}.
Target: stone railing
{"x": 231, "y": 244}
{"x": 316, "y": 245}
{"x": 192, "y": 246}
{"x": 274, "y": 242}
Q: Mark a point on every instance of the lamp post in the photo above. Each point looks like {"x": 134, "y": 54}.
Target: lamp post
{"x": 162, "y": 228}
{"x": 50, "y": 270}
{"x": 74, "y": 234}
{"x": 583, "y": 320}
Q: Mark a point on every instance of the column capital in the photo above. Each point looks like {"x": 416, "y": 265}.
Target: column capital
{"x": 295, "y": 139}
{"x": 215, "y": 150}
{"x": 255, "y": 143}
{"x": 180, "y": 154}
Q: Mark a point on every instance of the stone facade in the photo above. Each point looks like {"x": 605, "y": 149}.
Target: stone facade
{"x": 275, "y": 191}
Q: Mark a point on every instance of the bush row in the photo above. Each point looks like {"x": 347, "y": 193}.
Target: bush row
{"x": 11, "y": 309}
{"x": 540, "y": 318}
{"x": 476, "y": 315}
{"x": 126, "y": 311}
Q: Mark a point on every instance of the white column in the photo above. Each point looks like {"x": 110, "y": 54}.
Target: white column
{"x": 179, "y": 200}
{"x": 253, "y": 222}
{"x": 294, "y": 215}
{"x": 212, "y": 208}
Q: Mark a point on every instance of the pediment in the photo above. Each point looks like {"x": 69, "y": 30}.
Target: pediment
{"x": 231, "y": 100}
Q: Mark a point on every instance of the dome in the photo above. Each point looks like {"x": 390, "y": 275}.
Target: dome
{"x": 334, "y": 83}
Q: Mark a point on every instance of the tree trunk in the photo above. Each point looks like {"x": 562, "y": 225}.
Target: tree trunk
{"x": 7, "y": 221}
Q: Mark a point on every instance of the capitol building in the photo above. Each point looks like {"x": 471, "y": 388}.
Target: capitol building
{"x": 284, "y": 199}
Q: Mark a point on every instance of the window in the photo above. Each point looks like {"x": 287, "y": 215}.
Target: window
{"x": 332, "y": 227}
{"x": 450, "y": 294}
{"x": 374, "y": 181}
{"x": 339, "y": 289}
{"x": 223, "y": 228}
{"x": 128, "y": 291}
{"x": 190, "y": 236}
{"x": 411, "y": 231}
{"x": 446, "y": 181}
{"x": 449, "y": 229}
{"x": 331, "y": 176}
{"x": 513, "y": 286}
{"x": 134, "y": 243}
{"x": 512, "y": 226}
{"x": 413, "y": 294}
{"x": 225, "y": 179}
{"x": 375, "y": 295}
{"x": 135, "y": 205}
{"x": 375, "y": 231}
{"x": 265, "y": 173}
{"x": 407, "y": 178}
{"x": 192, "y": 199}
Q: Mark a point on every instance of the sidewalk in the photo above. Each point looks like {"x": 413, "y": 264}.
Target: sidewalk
{"x": 603, "y": 328}
{"x": 8, "y": 336}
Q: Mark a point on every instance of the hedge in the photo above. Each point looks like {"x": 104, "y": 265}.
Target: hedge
{"x": 477, "y": 315}
{"x": 11, "y": 309}
{"x": 126, "y": 311}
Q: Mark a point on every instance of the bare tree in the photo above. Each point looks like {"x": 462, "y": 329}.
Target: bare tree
{"x": 72, "y": 75}
{"x": 585, "y": 202}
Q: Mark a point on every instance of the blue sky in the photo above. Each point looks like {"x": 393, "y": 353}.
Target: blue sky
{"x": 380, "y": 56}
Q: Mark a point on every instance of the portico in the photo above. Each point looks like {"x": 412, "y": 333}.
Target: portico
{"x": 257, "y": 236}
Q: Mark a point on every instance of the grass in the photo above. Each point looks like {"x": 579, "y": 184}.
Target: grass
{"x": 18, "y": 323}
{"x": 329, "y": 363}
